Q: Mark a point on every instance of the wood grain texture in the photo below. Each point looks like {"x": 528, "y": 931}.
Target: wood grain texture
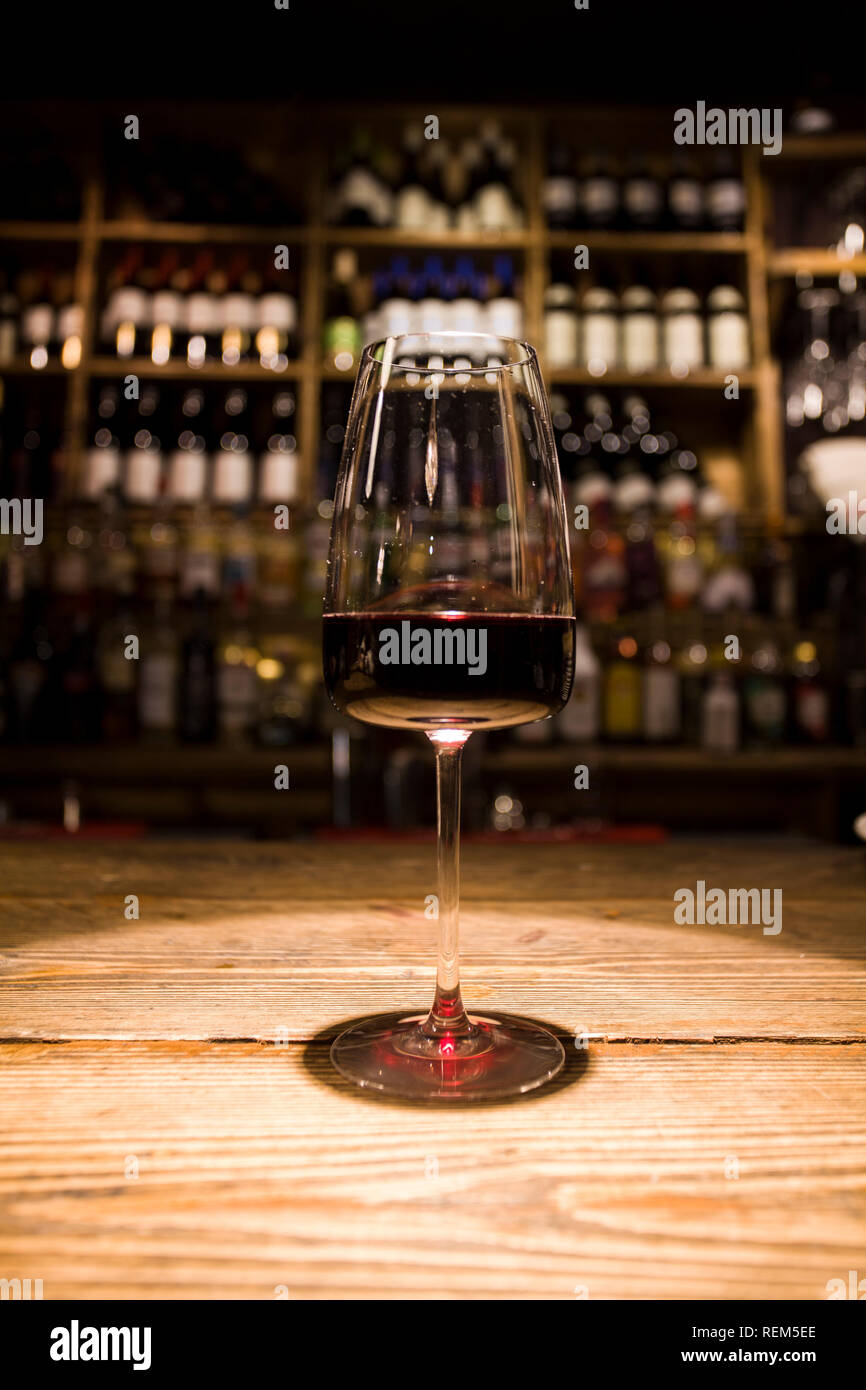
{"x": 246, "y": 941}
{"x": 258, "y": 1168}
{"x": 711, "y": 1050}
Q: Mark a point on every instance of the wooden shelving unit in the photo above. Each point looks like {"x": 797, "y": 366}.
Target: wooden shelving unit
{"x": 758, "y": 264}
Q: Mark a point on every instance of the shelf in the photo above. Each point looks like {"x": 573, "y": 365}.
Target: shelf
{"x": 175, "y": 371}
{"x": 704, "y": 378}
{"x": 40, "y": 231}
{"x": 791, "y": 260}
{"x": 399, "y": 238}
{"x": 703, "y": 243}
{"x": 638, "y": 759}
{"x": 138, "y": 229}
{"x": 21, "y": 367}
{"x": 846, "y": 145}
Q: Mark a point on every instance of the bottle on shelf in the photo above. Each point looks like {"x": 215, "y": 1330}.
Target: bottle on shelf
{"x": 561, "y": 343}
{"x": 362, "y": 197}
{"x": 342, "y": 334}
{"x": 642, "y": 195}
{"x": 197, "y": 693}
{"x": 580, "y": 721}
{"x": 600, "y": 329}
{"x": 685, "y": 195}
{"x": 640, "y": 327}
{"x": 662, "y": 715}
{"x": 599, "y": 191}
{"x": 682, "y": 331}
{"x": 727, "y": 328}
{"x": 560, "y": 191}
{"x": 725, "y": 195}
{"x": 622, "y": 704}
{"x": 158, "y": 675}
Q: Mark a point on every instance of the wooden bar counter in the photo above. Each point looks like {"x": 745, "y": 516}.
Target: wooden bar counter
{"x": 170, "y": 1125}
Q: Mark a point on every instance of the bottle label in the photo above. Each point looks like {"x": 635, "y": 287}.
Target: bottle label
{"x": 686, "y": 200}
{"x": 599, "y": 197}
{"x": 684, "y": 340}
{"x": 642, "y": 198}
{"x": 726, "y": 198}
{"x": 729, "y": 340}
{"x": 156, "y": 690}
{"x": 559, "y": 195}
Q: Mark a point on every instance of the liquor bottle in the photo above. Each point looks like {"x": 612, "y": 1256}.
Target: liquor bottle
{"x": 279, "y": 467}
{"x": 811, "y": 712}
{"x": 439, "y": 213}
{"x": 342, "y": 334}
{"x": 580, "y": 720}
{"x": 640, "y": 327}
{"x": 677, "y": 542}
{"x": 200, "y": 558}
{"x": 691, "y": 663}
{"x": 622, "y": 689}
{"x": 685, "y": 195}
{"x": 37, "y": 320}
{"x": 396, "y": 309}
{"x": 682, "y": 331}
{"x": 599, "y": 192}
{"x": 9, "y": 320}
{"x": 276, "y": 325}
{"x": 238, "y": 315}
{"x": 233, "y": 459}
{"x": 143, "y": 461}
{"x": 600, "y": 549}
{"x": 465, "y": 306}
{"x": 166, "y": 312}
{"x": 560, "y": 327}
{"x": 725, "y": 196}
{"x": 764, "y": 703}
{"x": 189, "y": 464}
{"x": 642, "y": 195}
{"x": 495, "y": 206}
{"x": 600, "y": 325}
{"x": 503, "y": 314}
{"x": 237, "y": 654}
{"x": 559, "y": 194}
{"x": 471, "y": 160}
{"x": 200, "y": 319}
{"x": 68, "y": 331}
{"x": 720, "y": 716}
{"x": 197, "y": 695}
{"x": 363, "y": 199}
{"x": 118, "y": 671}
{"x": 727, "y": 328}
{"x": 634, "y": 502}
{"x": 662, "y": 716}
{"x": 157, "y": 676}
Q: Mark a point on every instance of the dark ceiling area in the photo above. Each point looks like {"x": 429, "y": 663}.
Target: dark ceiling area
{"x": 667, "y": 52}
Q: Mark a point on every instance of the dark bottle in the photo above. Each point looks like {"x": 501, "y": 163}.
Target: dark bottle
{"x": 685, "y": 195}
{"x": 599, "y": 192}
{"x": 642, "y": 195}
{"x": 79, "y": 683}
{"x": 197, "y": 687}
{"x": 725, "y": 196}
{"x": 560, "y": 192}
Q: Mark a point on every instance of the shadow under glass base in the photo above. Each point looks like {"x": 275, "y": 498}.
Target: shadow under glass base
{"x": 499, "y": 1056}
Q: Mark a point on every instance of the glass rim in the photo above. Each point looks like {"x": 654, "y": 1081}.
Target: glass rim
{"x": 520, "y": 353}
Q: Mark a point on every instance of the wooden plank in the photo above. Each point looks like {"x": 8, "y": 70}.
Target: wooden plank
{"x": 580, "y": 936}
{"x": 259, "y": 1168}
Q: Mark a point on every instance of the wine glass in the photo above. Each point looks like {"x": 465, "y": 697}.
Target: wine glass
{"x": 449, "y": 608}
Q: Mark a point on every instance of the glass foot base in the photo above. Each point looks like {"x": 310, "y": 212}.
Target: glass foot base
{"x": 499, "y": 1056}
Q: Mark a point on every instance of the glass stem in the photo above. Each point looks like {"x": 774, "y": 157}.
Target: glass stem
{"x": 447, "y": 1016}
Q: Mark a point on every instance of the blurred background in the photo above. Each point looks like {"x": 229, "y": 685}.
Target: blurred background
{"x": 707, "y": 381}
